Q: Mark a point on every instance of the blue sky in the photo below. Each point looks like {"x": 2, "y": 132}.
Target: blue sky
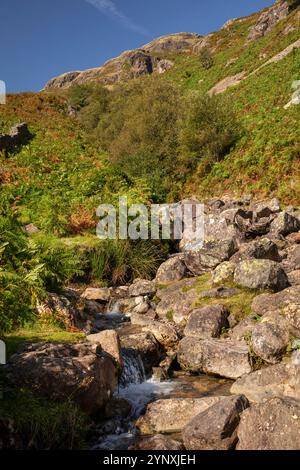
{"x": 43, "y": 38}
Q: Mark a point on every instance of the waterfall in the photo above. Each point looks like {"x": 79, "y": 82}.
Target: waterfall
{"x": 133, "y": 370}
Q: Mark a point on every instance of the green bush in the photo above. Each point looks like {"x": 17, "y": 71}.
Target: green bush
{"x": 209, "y": 129}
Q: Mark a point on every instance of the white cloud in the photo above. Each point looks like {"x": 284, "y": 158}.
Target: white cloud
{"x": 109, "y": 8}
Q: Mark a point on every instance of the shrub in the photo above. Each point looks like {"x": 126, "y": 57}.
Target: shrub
{"x": 206, "y": 58}
{"x": 209, "y": 129}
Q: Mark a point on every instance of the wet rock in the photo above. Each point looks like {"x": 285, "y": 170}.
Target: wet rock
{"x": 209, "y": 257}
{"x": 261, "y": 274}
{"x": 281, "y": 380}
{"x": 223, "y": 273}
{"x": 273, "y": 425}
{"x": 101, "y": 294}
{"x": 207, "y": 322}
{"x": 165, "y": 334}
{"x": 109, "y": 342}
{"x": 172, "y": 415}
{"x": 270, "y": 338}
{"x": 216, "y": 428}
{"x": 146, "y": 346}
{"x": 158, "y": 442}
{"x": 142, "y": 287}
{"x": 171, "y": 270}
{"x": 225, "y": 358}
{"x": 59, "y": 371}
{"x": 117, "y": 407}
{"x": 284, "y": 224}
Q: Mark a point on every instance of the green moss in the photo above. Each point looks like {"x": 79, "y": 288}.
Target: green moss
{"x": 239, "y": 305}
{"x": 170, "y": 315}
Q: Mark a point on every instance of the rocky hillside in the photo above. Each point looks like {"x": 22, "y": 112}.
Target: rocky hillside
{"x": 160, "y": 55}
{"x": 220, "y": 322}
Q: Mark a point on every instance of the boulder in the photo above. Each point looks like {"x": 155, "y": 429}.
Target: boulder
{"x": 109, "y": 342}
{"x": 143, "y": 320}
{"x": 243, "y": 330}
{"x": 117, "y": 407}
{"x": 216, "y": 427}
{"x": 172, "y": 415}
{"x": 146, "y": 346}
{"x": 59, "y": 307}
{"x": 285, "y": 303}
{"x": 292, "y": 260}
{"x": 270, "y": 338}
{"x": 99, "y": 294}
{"x": 171, "y": 270}
{"x": 164, "y": 333}
{"x": 284, "y": 224}
{"x": 177, "y": 301}
{"x": 219, "y": 293}
{"x": 223, "y": 273}
{"x": 142, "y": 287}
{"x": 209, "y": 257}
{"x": 273, "y": 425}
{"x": 263, "y": 248}
{"x": 225, "y": 358}
{"x": 265, "y": 208}
{"x": 280, "y": 380}
{"x": 158, "y": 442}
{"x": 294, "y": 277}
{"x": 60, "y": 371}
{"x": 207, "y": 322}
{"x": 260, "y": 274}
{"x": 250, "y": 224}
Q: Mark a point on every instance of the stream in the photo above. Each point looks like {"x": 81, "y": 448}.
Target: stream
{"x": 119, "y": 433}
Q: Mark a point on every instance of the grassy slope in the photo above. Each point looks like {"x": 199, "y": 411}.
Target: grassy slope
{"x": 266, "y": 160}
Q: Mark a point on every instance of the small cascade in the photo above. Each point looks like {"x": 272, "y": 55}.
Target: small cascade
{"x": 133, "y": 370}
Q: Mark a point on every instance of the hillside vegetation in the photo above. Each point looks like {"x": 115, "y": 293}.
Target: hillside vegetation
{"x": 155, "y": 138}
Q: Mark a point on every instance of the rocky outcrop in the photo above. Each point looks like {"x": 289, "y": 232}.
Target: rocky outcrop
{"x": 150, "y": 58}
{"x": 273, "y": 425}
{"x": 216, "y": 428}
{"x": 18, "y": 135}
{"x": 172, "y": 415}
{"x": 59, "y": 371}
{"x": 60, "y": 307}
{"x": 270, "y": 17}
